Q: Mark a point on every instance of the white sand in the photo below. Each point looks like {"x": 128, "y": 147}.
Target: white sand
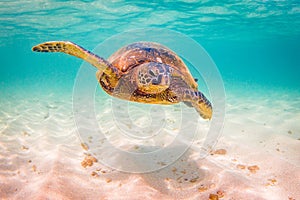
{"x": 41, "y": 154}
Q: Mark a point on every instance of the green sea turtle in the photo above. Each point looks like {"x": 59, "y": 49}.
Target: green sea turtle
{"x": 144, "y": 72}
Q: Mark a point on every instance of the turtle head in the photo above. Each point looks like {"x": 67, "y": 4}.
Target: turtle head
{"x": 153, "y": 77}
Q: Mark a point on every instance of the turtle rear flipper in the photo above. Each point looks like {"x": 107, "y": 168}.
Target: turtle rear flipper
{"x": 74, "y": 50}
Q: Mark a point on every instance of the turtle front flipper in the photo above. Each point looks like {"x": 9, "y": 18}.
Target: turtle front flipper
{"x": 74, "y": 50}
{"x": 152, "y": 77}
{"x": 199, "y": 102}
{"x": 191, "y": 97}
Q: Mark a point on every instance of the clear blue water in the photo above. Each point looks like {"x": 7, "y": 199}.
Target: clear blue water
{"x": 254, "y": 43}
{"x": 250, "y": 41}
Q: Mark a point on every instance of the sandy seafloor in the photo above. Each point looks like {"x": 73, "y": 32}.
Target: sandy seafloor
{"x": 41, "y": 156}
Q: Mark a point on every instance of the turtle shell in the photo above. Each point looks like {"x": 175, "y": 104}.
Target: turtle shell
{"x": 135, "y": 54}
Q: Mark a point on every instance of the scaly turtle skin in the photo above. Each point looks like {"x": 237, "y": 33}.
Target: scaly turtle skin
{"x": 143, "y": 72}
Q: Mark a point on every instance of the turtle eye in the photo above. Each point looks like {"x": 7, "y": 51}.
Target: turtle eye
{"x": 151, "y": 73}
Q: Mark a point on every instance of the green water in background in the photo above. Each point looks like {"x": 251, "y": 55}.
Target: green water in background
{"x": 251, "y": 42}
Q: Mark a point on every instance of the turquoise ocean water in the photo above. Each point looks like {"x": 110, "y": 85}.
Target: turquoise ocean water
{"x": 256, "y": 47}
{"x": 253, "y": 42}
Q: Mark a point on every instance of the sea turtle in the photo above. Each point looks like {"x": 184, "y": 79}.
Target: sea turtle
{"x": 144, "y": 72}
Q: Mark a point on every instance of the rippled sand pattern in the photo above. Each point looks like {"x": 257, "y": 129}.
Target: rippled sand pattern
{"x": 251, "y": 42}
{"x": 257, "y": 156}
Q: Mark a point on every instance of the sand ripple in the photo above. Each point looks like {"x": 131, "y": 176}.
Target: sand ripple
{"x": 41, "y": 153}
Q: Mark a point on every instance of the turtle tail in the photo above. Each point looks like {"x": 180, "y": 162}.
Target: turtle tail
{"x": 74, "y": 50}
